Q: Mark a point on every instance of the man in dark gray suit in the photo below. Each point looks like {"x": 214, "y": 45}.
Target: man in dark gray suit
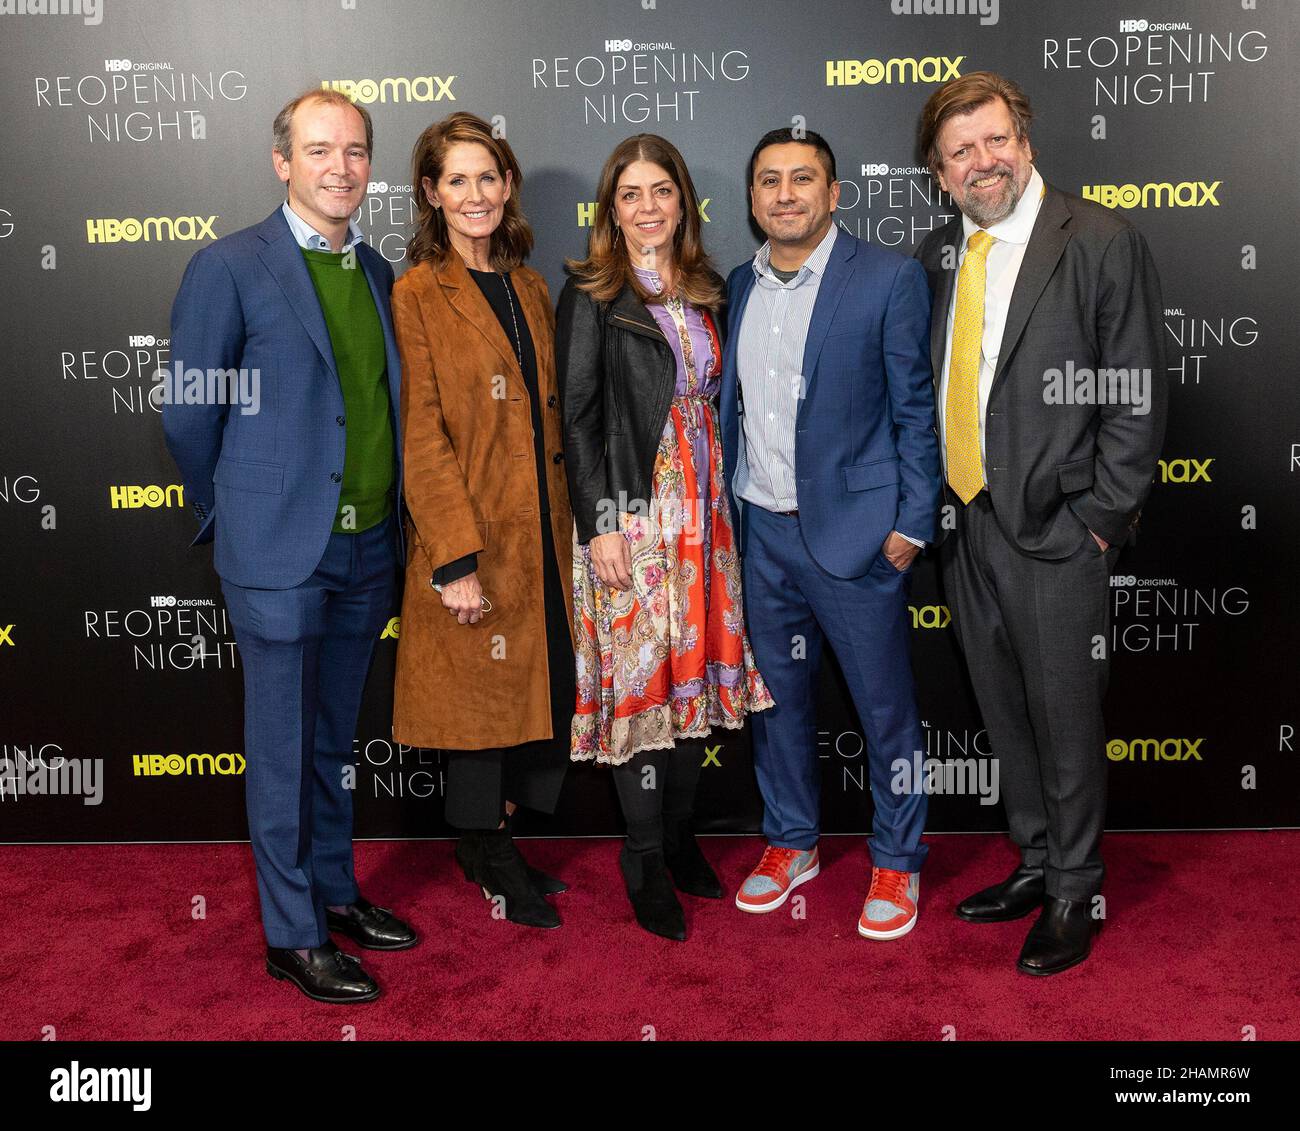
{"x": 1049, "y": 380}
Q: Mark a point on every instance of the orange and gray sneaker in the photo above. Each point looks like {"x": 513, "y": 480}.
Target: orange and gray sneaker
{"x": 890, "y": 909}
{"x": 779, "y": 872}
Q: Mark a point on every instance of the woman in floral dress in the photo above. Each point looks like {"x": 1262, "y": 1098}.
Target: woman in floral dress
{"x": 662, "y": 654}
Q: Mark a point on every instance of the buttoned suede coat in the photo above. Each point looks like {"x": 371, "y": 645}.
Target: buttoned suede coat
{"x": 471, "y": 487}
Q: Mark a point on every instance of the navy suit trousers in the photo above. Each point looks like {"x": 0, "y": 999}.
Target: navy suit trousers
{"x": 792, "y": 607}
{"x": 305, "y": 653}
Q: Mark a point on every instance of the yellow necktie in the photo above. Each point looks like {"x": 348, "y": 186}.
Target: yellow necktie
{"x": 961, "y": 415}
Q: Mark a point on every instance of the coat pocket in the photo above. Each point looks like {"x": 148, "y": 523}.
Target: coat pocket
{"x": 1077, "y": 475}
{"x": 249, "y": 475}
{"x": 866, "y": 476}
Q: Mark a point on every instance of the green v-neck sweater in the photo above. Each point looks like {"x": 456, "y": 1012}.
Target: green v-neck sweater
{"x": 357, "y": 338}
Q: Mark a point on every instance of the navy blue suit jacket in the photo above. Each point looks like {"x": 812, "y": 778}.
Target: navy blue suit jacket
{"x": 866, "y": 453}
{"x": 266, "y": 485}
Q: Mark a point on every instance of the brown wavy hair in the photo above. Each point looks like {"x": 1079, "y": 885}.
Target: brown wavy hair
{"x": 964, "y": 95}
{"x": 512, "y": 239}
{"x": 608, "y": 267}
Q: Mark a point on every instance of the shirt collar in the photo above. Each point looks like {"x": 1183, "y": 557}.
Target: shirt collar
{"x": 816, "y": 262}
{"x": 310, "y": 239}
{"x": 1017, "y": 227}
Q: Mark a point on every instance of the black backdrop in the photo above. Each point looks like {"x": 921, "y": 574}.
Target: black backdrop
{"x": 134, "y": 110}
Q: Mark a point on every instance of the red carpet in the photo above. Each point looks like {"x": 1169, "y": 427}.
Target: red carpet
{"x": 1203, "y": 939}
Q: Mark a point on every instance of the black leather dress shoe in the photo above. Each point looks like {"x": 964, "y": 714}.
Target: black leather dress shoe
{"x": 1061, "y": 937}
{"x": 375, "y": 928}
{"x": 1015, "y": 897}
{"x": 691, "y": 872}
{"x": 327, "y": 974}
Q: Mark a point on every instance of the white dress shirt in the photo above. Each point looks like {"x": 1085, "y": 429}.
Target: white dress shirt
{"x": 310, "y": 239}
{"x": 1001, "y": 268}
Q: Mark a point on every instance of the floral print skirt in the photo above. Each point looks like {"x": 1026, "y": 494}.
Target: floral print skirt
{"x": 668, "y": 658}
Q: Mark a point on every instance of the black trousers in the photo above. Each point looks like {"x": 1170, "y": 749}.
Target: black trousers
{"x": 480, "y": 782}
{"x": 1030, "y": 629}
{"x": 655, "y": 786}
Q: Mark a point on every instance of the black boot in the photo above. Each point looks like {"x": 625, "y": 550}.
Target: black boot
{"x": 542, "y": 883}
{"x": 1061, "y": 937}
{"x": 651, "y": 893}
{"x": 491, "y": 860}
{"x": 691, "y": 871}
{"x": 469, "y": 855}
{"x": 1015, "y": 897}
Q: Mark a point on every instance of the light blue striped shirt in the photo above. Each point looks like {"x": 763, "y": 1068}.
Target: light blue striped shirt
{"x": 309, "y": 238}
{"x": 769, "y": 358}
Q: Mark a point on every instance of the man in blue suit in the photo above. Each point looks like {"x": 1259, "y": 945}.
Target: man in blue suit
{"x": 828, "y": 431}
{"x": 298, "y": 487}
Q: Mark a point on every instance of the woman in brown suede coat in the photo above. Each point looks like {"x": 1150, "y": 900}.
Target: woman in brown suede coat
{"x": 485, "y": 666}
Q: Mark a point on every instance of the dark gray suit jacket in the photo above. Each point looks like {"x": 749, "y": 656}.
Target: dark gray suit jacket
{"x": 1087, "y": 293}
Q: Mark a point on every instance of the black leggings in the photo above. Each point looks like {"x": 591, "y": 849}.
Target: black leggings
{"x": 648, "y": 799}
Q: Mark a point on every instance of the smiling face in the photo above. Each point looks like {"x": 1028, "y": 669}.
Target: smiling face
{"x": 648, "y": 208}
{"x": 983, "y": 165}
{"x": 792, "y": 197}
{"x": 328, "y": 165}
{"x": 471, "y": 191}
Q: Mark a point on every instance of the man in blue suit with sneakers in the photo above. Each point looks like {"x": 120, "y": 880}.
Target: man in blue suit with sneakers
{"x": 299, "y": 491}
{"x": 827, "y": 415}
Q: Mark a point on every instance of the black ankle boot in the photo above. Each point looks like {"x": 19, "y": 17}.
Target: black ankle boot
{"x": 496, "y": 866}
{"x": 651, "y": 893}
{"x": 469, "y": 855}
{"x": 542, "y": 883}
{"x": 691, "y": 871}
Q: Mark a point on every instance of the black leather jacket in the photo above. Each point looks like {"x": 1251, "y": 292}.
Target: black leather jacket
{"x": 616, "y": 375}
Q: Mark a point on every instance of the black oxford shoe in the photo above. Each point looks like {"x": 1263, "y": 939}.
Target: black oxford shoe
{"x": 375, "y": 928}
{"x": 1015, "y": 897}
{"x": 326, "y": 974}
{"x": 1060, "y": 938}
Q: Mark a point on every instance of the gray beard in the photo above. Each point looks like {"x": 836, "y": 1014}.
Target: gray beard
{"x": 986, "y": 214}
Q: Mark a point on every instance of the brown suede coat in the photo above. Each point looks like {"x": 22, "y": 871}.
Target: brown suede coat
{"x": 471, "y": 486}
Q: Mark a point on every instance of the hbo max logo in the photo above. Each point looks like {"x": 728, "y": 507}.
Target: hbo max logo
{"x": 131, "y": 497}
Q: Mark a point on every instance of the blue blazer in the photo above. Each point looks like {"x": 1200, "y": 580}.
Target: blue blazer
{"x": 266, "y": 485}
{"x": 866, "y": 453}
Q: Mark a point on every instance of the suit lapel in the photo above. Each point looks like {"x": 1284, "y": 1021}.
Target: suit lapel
{"x": 537, "y": 315}
{"x": 735, "y": 316}
{"x": 943, "y": 298}
{"x": 1046, "y": 243}
{"x": 283, "y": 258}
{"x": 838, "y": 268}
{"x": 469, "y": 303}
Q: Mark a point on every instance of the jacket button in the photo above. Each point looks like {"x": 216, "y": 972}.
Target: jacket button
{"x": 558, "y": 457}
{"x": 338, "y": 420}
{"x": 550, "y": 401}
{"x": 334, "y": 475}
